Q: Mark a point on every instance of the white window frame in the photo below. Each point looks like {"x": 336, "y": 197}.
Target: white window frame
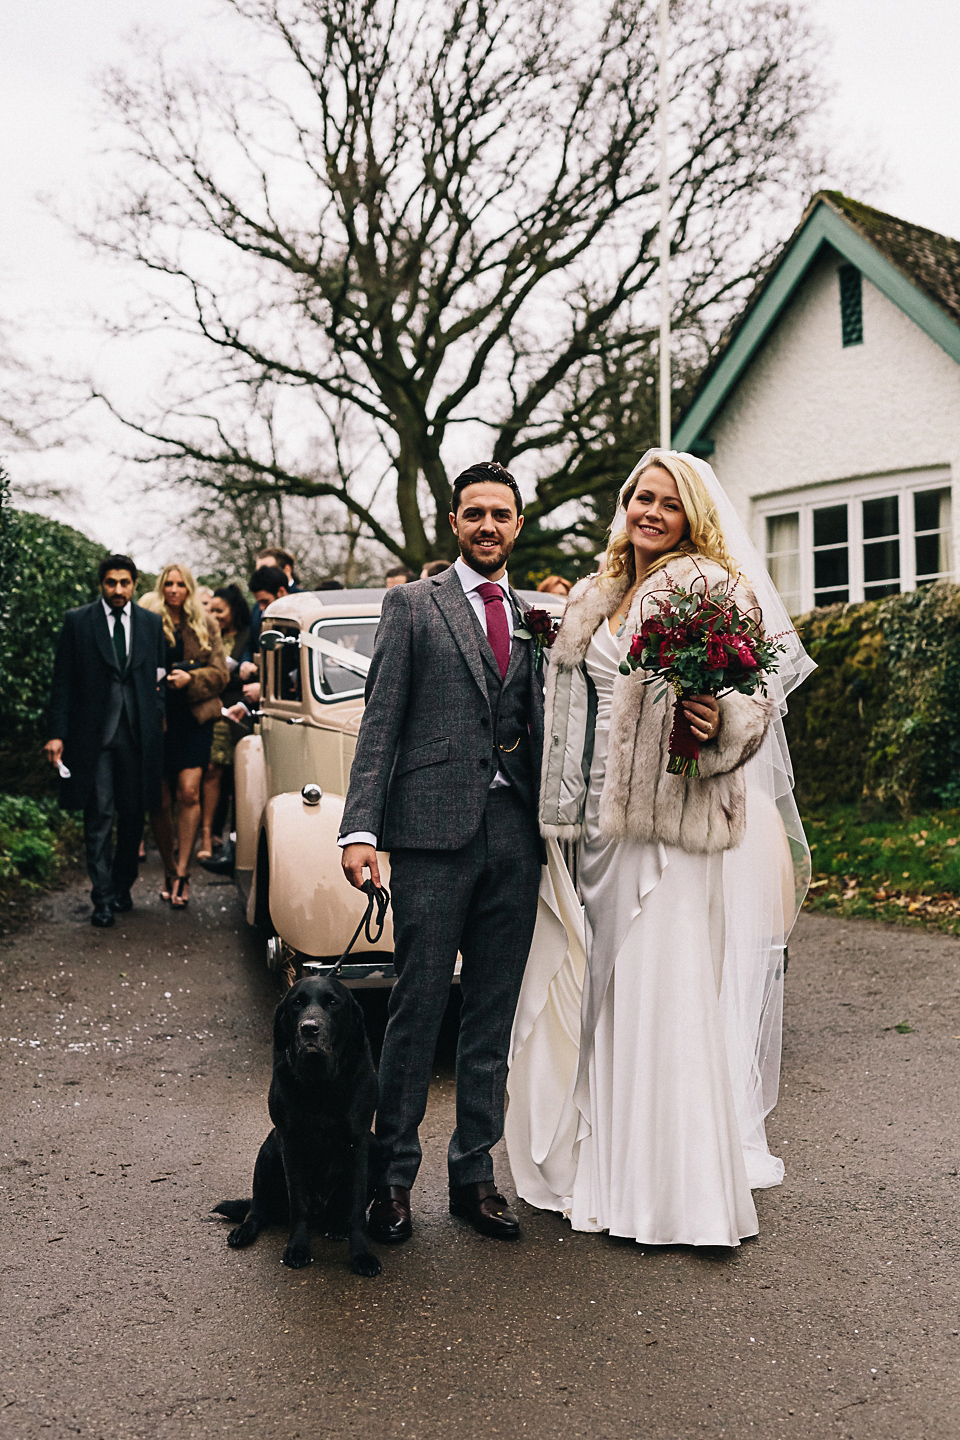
{"x": 851, "y": 492}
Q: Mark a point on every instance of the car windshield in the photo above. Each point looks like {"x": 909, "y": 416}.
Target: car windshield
{"x": 332, "y": 681}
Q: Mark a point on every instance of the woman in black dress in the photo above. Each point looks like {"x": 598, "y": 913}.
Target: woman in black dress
{"x": 196, "y": 675}
{"x": 232, "y": 613}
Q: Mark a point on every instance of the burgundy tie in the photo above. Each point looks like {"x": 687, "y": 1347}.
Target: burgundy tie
{"x": 497, "y": 632}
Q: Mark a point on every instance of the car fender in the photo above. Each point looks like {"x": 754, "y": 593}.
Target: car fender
{"x": 312, "y": 907}
{"x": 250, "y": 796}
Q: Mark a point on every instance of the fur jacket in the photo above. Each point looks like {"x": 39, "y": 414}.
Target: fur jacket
{"x": 639, "y": 800}
{"x": 208, "y": 673}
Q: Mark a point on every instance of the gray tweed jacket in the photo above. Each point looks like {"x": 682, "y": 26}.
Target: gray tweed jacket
{"x": 425, "y": 755}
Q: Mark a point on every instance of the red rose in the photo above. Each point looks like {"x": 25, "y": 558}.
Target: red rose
{"x": 666, "y": 653}
{"x": 744, "y": 651}
{"x": 716, "y": 653}
{"x": 541, "y": 624}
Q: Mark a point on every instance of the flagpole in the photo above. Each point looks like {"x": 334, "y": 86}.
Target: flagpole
{"x": 665, "y": 421}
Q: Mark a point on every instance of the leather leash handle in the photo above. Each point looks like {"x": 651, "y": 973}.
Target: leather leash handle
{"x": 378, "y": 899}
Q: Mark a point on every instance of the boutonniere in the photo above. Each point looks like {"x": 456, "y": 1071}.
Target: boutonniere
{"x": 539, "y": 626}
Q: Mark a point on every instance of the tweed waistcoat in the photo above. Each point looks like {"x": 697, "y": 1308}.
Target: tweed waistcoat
{"x": 510, "y": 711}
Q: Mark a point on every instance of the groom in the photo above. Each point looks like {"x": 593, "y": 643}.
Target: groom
{"x": 445, "y": 777}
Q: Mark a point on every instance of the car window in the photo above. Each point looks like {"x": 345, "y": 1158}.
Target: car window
{"x": 330, "y": 680}
{"x": 287, "y": 684}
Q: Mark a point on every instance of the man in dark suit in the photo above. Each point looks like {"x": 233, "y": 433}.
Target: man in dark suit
{"x": 445, "y": 777}
{"x": 106, "y": 717}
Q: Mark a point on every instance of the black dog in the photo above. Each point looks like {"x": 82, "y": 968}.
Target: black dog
{"x": 312, "y": 1167}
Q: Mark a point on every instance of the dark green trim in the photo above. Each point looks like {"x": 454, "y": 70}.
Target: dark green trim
{"x": 824, "y": 227}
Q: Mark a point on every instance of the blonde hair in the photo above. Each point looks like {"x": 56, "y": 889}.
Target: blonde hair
{"x": 704, "y": 535}
{"x": 193, "y": 612}
{"x": 151, "y": 601}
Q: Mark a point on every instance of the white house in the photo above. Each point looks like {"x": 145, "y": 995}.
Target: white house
{"x": 832, "y": 413}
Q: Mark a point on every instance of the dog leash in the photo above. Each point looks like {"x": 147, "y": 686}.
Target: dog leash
{"x": 378, "y": 899}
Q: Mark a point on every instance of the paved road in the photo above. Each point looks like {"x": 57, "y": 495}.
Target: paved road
{"x": 135, "y": 1065}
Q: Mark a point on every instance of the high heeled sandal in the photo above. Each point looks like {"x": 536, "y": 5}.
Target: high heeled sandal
{"x": 168, "y": 882}
{"x": 178, "y": 899}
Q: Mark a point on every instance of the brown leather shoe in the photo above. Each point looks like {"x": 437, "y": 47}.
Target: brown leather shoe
{"x": 485, "y": 1208}
{"x": 389, "y": 1220}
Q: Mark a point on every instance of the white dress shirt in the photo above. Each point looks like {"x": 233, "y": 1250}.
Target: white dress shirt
{"x": 471, "y": 581}
{"x": 111, "y": 615}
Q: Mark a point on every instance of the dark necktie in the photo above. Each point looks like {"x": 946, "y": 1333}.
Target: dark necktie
{"x": 119, "y": 640}
{"x": 498, "y": 632}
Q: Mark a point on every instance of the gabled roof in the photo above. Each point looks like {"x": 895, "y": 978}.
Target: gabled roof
{"x": 917, "y": 269}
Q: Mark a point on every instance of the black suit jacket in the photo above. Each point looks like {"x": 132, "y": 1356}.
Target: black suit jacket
{"x": 85, "y": 692}
{"x": 424, "y": 757}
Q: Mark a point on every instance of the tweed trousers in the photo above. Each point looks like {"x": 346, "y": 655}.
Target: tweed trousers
{"x": 482, "y": 901}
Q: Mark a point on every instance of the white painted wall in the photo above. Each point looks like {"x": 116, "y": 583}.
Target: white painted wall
{"x": 809, "y": 412}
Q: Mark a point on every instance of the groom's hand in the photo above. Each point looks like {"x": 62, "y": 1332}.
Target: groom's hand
{"x": 357, "y": 858}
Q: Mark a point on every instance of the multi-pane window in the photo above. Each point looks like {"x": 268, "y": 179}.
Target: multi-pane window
{"x": 783, "y": 557}
{"x": 831, "y": 556}
{"x": 881, "y": 547}
{"x": 932, "y": 534}
{"x": 858, "y": 540}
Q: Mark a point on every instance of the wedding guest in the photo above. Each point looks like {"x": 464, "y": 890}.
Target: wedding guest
{"x": 205, "y": 595}
{"x": 232, "y": 614}
{"x": 273, "y": 558}
{"x": 399, "y": 575}
{"x": 267, "y": 583}
{"x": 434, "y": 567}
{"x": 555, "y": 585}
{"x": 105, "y": 719}
{"x": 652, "y": 1127}
{"x": 284, "y": 561}
{"x": 197, "y": 673}
{"x": 331, "y": 584}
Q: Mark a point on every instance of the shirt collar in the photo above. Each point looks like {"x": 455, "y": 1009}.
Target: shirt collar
{"x": 108, "y": 609}
{"x": 470, "y": 579}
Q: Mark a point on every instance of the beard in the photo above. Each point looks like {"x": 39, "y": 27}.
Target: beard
{"x": 486, "y": 562}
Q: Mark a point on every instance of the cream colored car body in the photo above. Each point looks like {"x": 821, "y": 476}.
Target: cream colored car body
{"x": 287, "y": 857}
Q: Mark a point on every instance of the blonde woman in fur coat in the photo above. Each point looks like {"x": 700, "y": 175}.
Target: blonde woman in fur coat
{"x": 644, "y": 1058}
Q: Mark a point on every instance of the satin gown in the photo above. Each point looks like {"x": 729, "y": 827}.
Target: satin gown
{"x": 630, "y": 1127}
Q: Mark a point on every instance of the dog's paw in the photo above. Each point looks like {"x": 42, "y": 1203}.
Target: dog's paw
{"x": 365, "y": 1264}
{"x": 244, "y": 1234}
{"x": 297, "y": 1256}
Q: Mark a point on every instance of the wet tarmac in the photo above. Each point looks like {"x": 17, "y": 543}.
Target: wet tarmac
{"x": 135, "y": 1064}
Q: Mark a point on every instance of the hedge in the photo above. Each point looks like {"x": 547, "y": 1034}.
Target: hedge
{"x": 879, "y": 720}
{"x": 45, "y": 569}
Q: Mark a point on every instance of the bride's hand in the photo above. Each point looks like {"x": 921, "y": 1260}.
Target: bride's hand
{"x": 703, "y": 712}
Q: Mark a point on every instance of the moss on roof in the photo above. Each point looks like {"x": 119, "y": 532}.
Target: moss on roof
{"x": 928, "y": 260}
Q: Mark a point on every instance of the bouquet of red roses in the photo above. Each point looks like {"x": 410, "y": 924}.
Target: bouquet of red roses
{"x": 700, "y": 644}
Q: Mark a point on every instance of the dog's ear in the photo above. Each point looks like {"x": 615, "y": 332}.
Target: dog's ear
{"x": 358, "y": 1026}
{"x": 283, "y": 1023}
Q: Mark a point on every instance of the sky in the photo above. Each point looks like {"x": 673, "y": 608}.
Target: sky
{"x": 892, "y": 66}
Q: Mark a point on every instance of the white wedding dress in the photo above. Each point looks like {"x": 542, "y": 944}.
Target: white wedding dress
{"x": 622, "y": 1113}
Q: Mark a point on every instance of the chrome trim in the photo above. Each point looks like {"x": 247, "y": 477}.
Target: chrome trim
{"x": 311, "y": 794}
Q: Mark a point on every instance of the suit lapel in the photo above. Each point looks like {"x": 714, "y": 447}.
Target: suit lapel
{"x": 518, "y": 648}
{"x": 101, "y": 631}
{"x": 456, "y": 610}
{"x": 136, "y": 635}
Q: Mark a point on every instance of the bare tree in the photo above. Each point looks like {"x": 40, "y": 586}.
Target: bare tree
{"x": 440, "y": 216}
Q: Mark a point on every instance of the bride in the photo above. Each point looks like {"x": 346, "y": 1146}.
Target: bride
{"x": 646, "y": 1047}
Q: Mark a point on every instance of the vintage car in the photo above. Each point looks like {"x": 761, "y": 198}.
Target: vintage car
{"x": 291, "y": 781}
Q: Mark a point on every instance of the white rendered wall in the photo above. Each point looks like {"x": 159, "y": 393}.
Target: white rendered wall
{"x": 809, "y": 411}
